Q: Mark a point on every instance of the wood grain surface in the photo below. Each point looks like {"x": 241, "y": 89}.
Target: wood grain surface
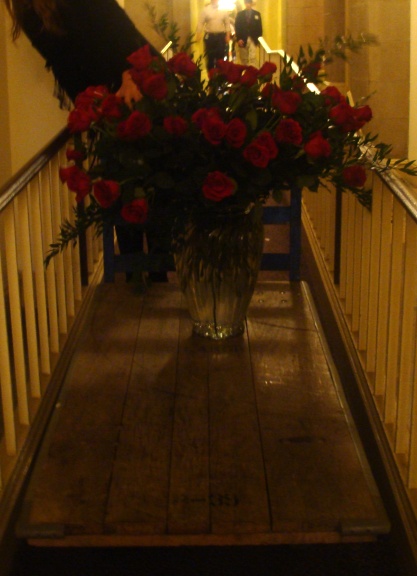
{"x": 161, "y": 437}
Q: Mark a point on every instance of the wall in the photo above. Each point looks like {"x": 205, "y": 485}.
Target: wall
{"x": 383, "y": 71}
{"x": 26, "y": 92}
{"x": 137, "y": 11}
{"x": 30, "y": 116}
{"x": 272, "y": 20}
{"x": 5, "y": 154}
{"x": 334, "y": 25}
{"x": 304, "y": 24}
{"x": 412, "y": 136}
{"x": 309, "y": 21}
{"x": 178, "y": 11}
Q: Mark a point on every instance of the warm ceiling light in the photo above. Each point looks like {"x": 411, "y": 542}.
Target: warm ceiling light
{"x": 228, "y": 5}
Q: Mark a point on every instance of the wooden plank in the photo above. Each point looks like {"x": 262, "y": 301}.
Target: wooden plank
{"x": 69, "y": 490}
{"x": 316, "y": 481}
{"x": 189, "y": 506}
{"x": 166, "y": 540}
{"x": 394, "y": 313}
{"x": 164, "y": 438}
{"x": 138, "y": 499}
{"x": 239, "y": 500}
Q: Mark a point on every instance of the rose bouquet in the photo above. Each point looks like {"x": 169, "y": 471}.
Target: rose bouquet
{"x": 191, "y": 146}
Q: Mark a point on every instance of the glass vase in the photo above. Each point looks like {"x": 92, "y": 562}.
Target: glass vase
{"x": 217, "y": 260}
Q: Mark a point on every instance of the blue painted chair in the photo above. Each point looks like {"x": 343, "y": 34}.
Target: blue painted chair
{"x": 273, "y": 215}
{"x": 289, "y": 214}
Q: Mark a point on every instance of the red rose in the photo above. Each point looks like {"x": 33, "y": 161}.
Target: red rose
{"x": 73, "y": 154}
{"x": 137, "y": 125}
{"x": 90, "y": 96}
{"x": 202, "y": 114}
{"x": 266, "y": 140}
{"x": 155, "y": 86}
{"x": 214, "y": 130}
{"x": 289, "y": 131}
{"x": 80, "y": 119}
{"x": 286, "y": 101}
{"x": 138, "y": 76}
{"x": 256, "y": 154}
{"x": 111, "y": 106}
{"x": 142, "y": 58}
{"x": 232, "y": 72}
{"x": 249, "y": 76}
{"x": 235, "y": 134}
{"x": 199, "y": 116}
{"x": 175, "y": 125}
{"x": 362, "y": 115}
{"x": 332, "y": 96}
{"x": 350, "y": 119}
{"x": 76, "y": 180}
{"x": 317, "y": 146}
{"x": 136, "y": 212}
{"x": 182, "y": 64}
{"x": 267, "y": 69}
{"x": 311, "y": 71}
{"x": 65, "y": 173}
{"x": 354, "y": 176}
{"x": 343, "y": 116}
{"x": 218, "y": 186}
{"x": 106, "y": 192}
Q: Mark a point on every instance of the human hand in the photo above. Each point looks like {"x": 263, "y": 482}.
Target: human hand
{"x": 129, "y": 90}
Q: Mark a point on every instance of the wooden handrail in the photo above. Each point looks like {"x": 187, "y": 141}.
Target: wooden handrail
{"x": 18, "y": 181}
{"x": 401, "y": 189}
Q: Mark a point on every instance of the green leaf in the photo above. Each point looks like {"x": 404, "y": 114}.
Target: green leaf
{"x": 252, "y": 118}
{"x": 307, "y": 181}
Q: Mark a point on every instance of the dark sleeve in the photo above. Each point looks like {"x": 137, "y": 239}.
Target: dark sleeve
{"x": 260, "y": 32}
{"x": 238, "y": 26}
{"x": 98, "y": 37}
{"x": 103, "y": 33}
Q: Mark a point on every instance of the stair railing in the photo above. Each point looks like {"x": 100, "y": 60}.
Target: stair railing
{"x": 38, "y": 305}
{"x": 40, "y": 308}
{"x": 368, "y": 264}
{"x": 375, "y": 298}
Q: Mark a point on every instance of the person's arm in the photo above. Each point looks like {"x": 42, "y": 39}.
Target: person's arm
{"x": 105, "y": 32}
{"x": 260, "y": 31}
{"x": 238, "y": 29}
{"x": 128, "y": 90}
{"x": 100, "y": 38}
{"x": 227, "y": 27}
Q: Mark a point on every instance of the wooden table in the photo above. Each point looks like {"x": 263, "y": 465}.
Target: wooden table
{"x": 161, "y": 437}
